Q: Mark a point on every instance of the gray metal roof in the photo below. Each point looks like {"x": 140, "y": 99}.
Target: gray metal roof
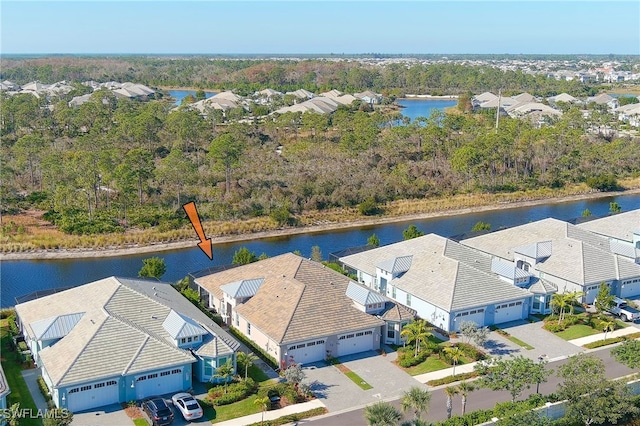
{"x": 537, "y": 250}
{"x": 507, "y": 269}
{"x": 243, "y": 288}
{"x": 55, "y": 327}
{"x": 363, "y": 295}
{"x": 396, "y": 265}
{"x": 180, "y": 326}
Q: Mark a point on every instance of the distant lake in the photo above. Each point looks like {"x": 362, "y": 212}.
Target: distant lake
{"x": 424, "y": 107}
{"x": 181, "y": 94}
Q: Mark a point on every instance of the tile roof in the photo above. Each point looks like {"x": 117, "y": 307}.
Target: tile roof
{"x": 299, "y": 299}
{"x": 4, "y": 386}
{"x": 620, "y": 226}
{"x": 397, "y": 312}
{"x": 123, "y": 323}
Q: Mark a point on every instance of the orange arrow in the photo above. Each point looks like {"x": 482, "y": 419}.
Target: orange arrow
{"x": 205, "y": 243}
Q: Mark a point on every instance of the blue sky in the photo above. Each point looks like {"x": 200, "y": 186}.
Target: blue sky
{"x": 209, "y": 27}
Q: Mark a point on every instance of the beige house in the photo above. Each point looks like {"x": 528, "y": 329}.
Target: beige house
{"x": 300, "y": 311}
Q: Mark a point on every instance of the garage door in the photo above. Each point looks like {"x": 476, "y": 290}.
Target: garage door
{"x": 506, "y": 312}
{"x": 307, "y": 352}
{"x": 630, "y": 288}
{"x": 159, "y": 383}
{"x": 354, "y": 343}
{"x": 472, "y": 315}
{"x": 93, "y": 395}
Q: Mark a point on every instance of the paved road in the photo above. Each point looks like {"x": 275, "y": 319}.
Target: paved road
{"x": 480, "y": 399}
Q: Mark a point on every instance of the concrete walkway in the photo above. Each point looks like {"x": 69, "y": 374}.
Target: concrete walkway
{"x": 600, "y": 336}
{"x": 31, "y": 379}
{"x": 439, "y": 374}
{"x": 273, "y": 414}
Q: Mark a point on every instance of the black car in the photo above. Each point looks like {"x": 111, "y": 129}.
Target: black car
{"x": 159, "y": 412}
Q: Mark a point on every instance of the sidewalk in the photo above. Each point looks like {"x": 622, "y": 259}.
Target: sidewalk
{"x": 273, "y": 414}
{"x": 600, "y": 336}
{"x": 31, "y": 379}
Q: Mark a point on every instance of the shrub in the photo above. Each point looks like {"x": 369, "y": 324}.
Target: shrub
{"x": 283, "y": 390}
{"x": 406, "y": 358}
{"x": 471, "y": 351}
{"x": 369, "y": 207}
{"x": 451, "y": 379}
{"x": 7, "y": 313}
{"x": 44, "y": 389}
{"x": 235, "y": 392}
{"x": 292, "y": 418}
{"x": 258, "y": 350}
{"x": 599, "y": 343}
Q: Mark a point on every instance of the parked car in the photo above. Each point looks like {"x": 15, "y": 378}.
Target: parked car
{"x": 159, "y": 412}
{"x": 187, "y": 405}
{"x": 624, "y": 311}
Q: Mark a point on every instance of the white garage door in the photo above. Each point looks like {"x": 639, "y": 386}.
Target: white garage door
{"x": 93, "y": 396}
{"x": 156, "y": 384}
{"x": 473, "y": 315}
{"x": 307, "y": 352}
{"x": 354, "y": 343}
{"x": 506, "y": 312}
{"x": 630, "y": 288}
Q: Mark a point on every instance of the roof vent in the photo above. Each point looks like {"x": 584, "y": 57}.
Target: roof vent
{"x": 155, "y": 294}
{"x": 154, "y": 317}
{"x": 154, "y": 287}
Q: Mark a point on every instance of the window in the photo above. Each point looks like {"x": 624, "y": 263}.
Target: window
{"x": 196, "y": 338}
{"x": 166, "y": 373}
{"x": 391, "y": 334}
{"x": 350, "y": 336}
{"x": 208, "y": 367}
{"x": 393, "y": 292}
{"x": 112, "y": 383}
{"x": 152, "y": 376}
{"x": 311, "y": 344}
{"x": 368, "y": 332}
{"x": 183, "y": 340}
{"x": 320, "y": 342}
{"x": 301, "y": 345}
{"x": 176, "y": 371}
{"x": 85, "y": 388}
{"x": 237, "y": 317}
{"x": 99, "y": 385}
{"x": 189, "y": 339}
{"x": 248, "y": 329}
{"x": 74, "y": 390}
{"x": 360, "y": 334}
{"x": 341, "y": 337}
{"x": 141, "y": 378}
{"x": 408, "y": 299}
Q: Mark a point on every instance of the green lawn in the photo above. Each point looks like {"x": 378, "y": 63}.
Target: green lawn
{"x": 358, "y": 380}
{"x": 13, "y": 372}
{"x": 520, "y": 342}
{"x": 140, "y": 422}
{"x": 257, "y": 374}
{"x": 430, "y": 364}
{"x": 576, "y": 331}
{"x": 235, "y": 410}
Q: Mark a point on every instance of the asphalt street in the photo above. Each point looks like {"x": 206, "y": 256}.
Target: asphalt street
{"x": 479, "y": 399}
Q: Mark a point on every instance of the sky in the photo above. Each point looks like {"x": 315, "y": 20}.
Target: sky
{"x": 320, "y": 27}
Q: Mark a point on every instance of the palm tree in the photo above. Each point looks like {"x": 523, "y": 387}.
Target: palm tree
{"x": 608, "y": 325}
{"x": 224, "y": 372}
{"x": 563, "y": 300}
{"x": 416, "y": 331}
{"x": 455, "y": 353}
{"x": 246, "y": 359}
{"x": 464, "y": 389}
{"x": 450, "y": 391}
{"x": 416, "y": 399}
{"x": 382, "y": 414}
{"x": 263, "y": 403}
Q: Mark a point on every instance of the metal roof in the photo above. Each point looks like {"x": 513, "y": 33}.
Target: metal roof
{"x": 243, "y": 288}
{"x": 179, "y": 326}
{"x": 396, "y": 265}
{"x": 363, "y": 295}
{"x": 537, "y": 250}
{"x": 55, "y": 327}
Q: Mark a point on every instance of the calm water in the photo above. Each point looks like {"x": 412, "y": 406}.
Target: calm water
{"x": 423, "y": 108}
{"x": 181, "y": 94}
{"x": 22, "y": 277}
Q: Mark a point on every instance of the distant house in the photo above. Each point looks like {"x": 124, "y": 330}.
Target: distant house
{"x": 563, "y": 97}
{"x": 604, "y": 99}
{"x": 300, "y": 311}
{"x": 369, "y": 97}
{"x": 117, "y": 340}
{"x": 629, "y": 113}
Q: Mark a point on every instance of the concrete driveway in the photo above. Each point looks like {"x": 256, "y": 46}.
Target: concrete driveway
{"x": 337, "y": 392}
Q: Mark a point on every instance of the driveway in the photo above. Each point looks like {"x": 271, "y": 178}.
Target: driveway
{"x": 337, "y": 392}
{"x": 545, "y": 344}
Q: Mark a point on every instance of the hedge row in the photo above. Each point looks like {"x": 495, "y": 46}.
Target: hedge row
{"x": 258, "y": 350}
{"x": 292, "y": 418}
{"x": 611, "y": 341}
{"x": 451, "y": 379}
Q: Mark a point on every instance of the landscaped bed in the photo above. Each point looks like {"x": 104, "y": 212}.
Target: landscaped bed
{"x": 436, "y": 355}
{"x": 575, "y": 326}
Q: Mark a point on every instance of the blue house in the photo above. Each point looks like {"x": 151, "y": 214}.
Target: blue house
{"x": 118, "y": 340}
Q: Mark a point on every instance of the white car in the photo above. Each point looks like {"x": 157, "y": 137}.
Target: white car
{"x": 187, "y": 405}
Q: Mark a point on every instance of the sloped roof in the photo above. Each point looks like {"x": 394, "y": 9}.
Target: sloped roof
{"x": 55, "y": 327}
{"x": 484, "y": 97}
{"x": 397, "y": 312}
{"x": 524, "y": 97}
{"x": 123, "y": 323}
{"x": 4, "y": 386}
{"x": 396, "y": 265}
{"x": 620, "y": 226}
{"x": 299, "y": 299}
{"x": 243, "y": 288}
{"x": 362, "y": 295}
{"x": 563, "y": 97}
{"x": 507, "y": 269}
{"x": 180, "y": 326}
{"x": 538, "y": 250}
{"x": 541, "y": 286}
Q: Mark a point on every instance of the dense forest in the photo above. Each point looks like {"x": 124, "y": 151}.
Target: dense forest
{"x": 245, "y": 76}
{"x": 111, "y": 164}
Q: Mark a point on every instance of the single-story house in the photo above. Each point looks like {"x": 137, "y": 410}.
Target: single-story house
{"x": 568, "y": 257}
{"x": 298, "y": 310}
{"x": 118, "y": 339}
{"x": 444, "y": 281}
